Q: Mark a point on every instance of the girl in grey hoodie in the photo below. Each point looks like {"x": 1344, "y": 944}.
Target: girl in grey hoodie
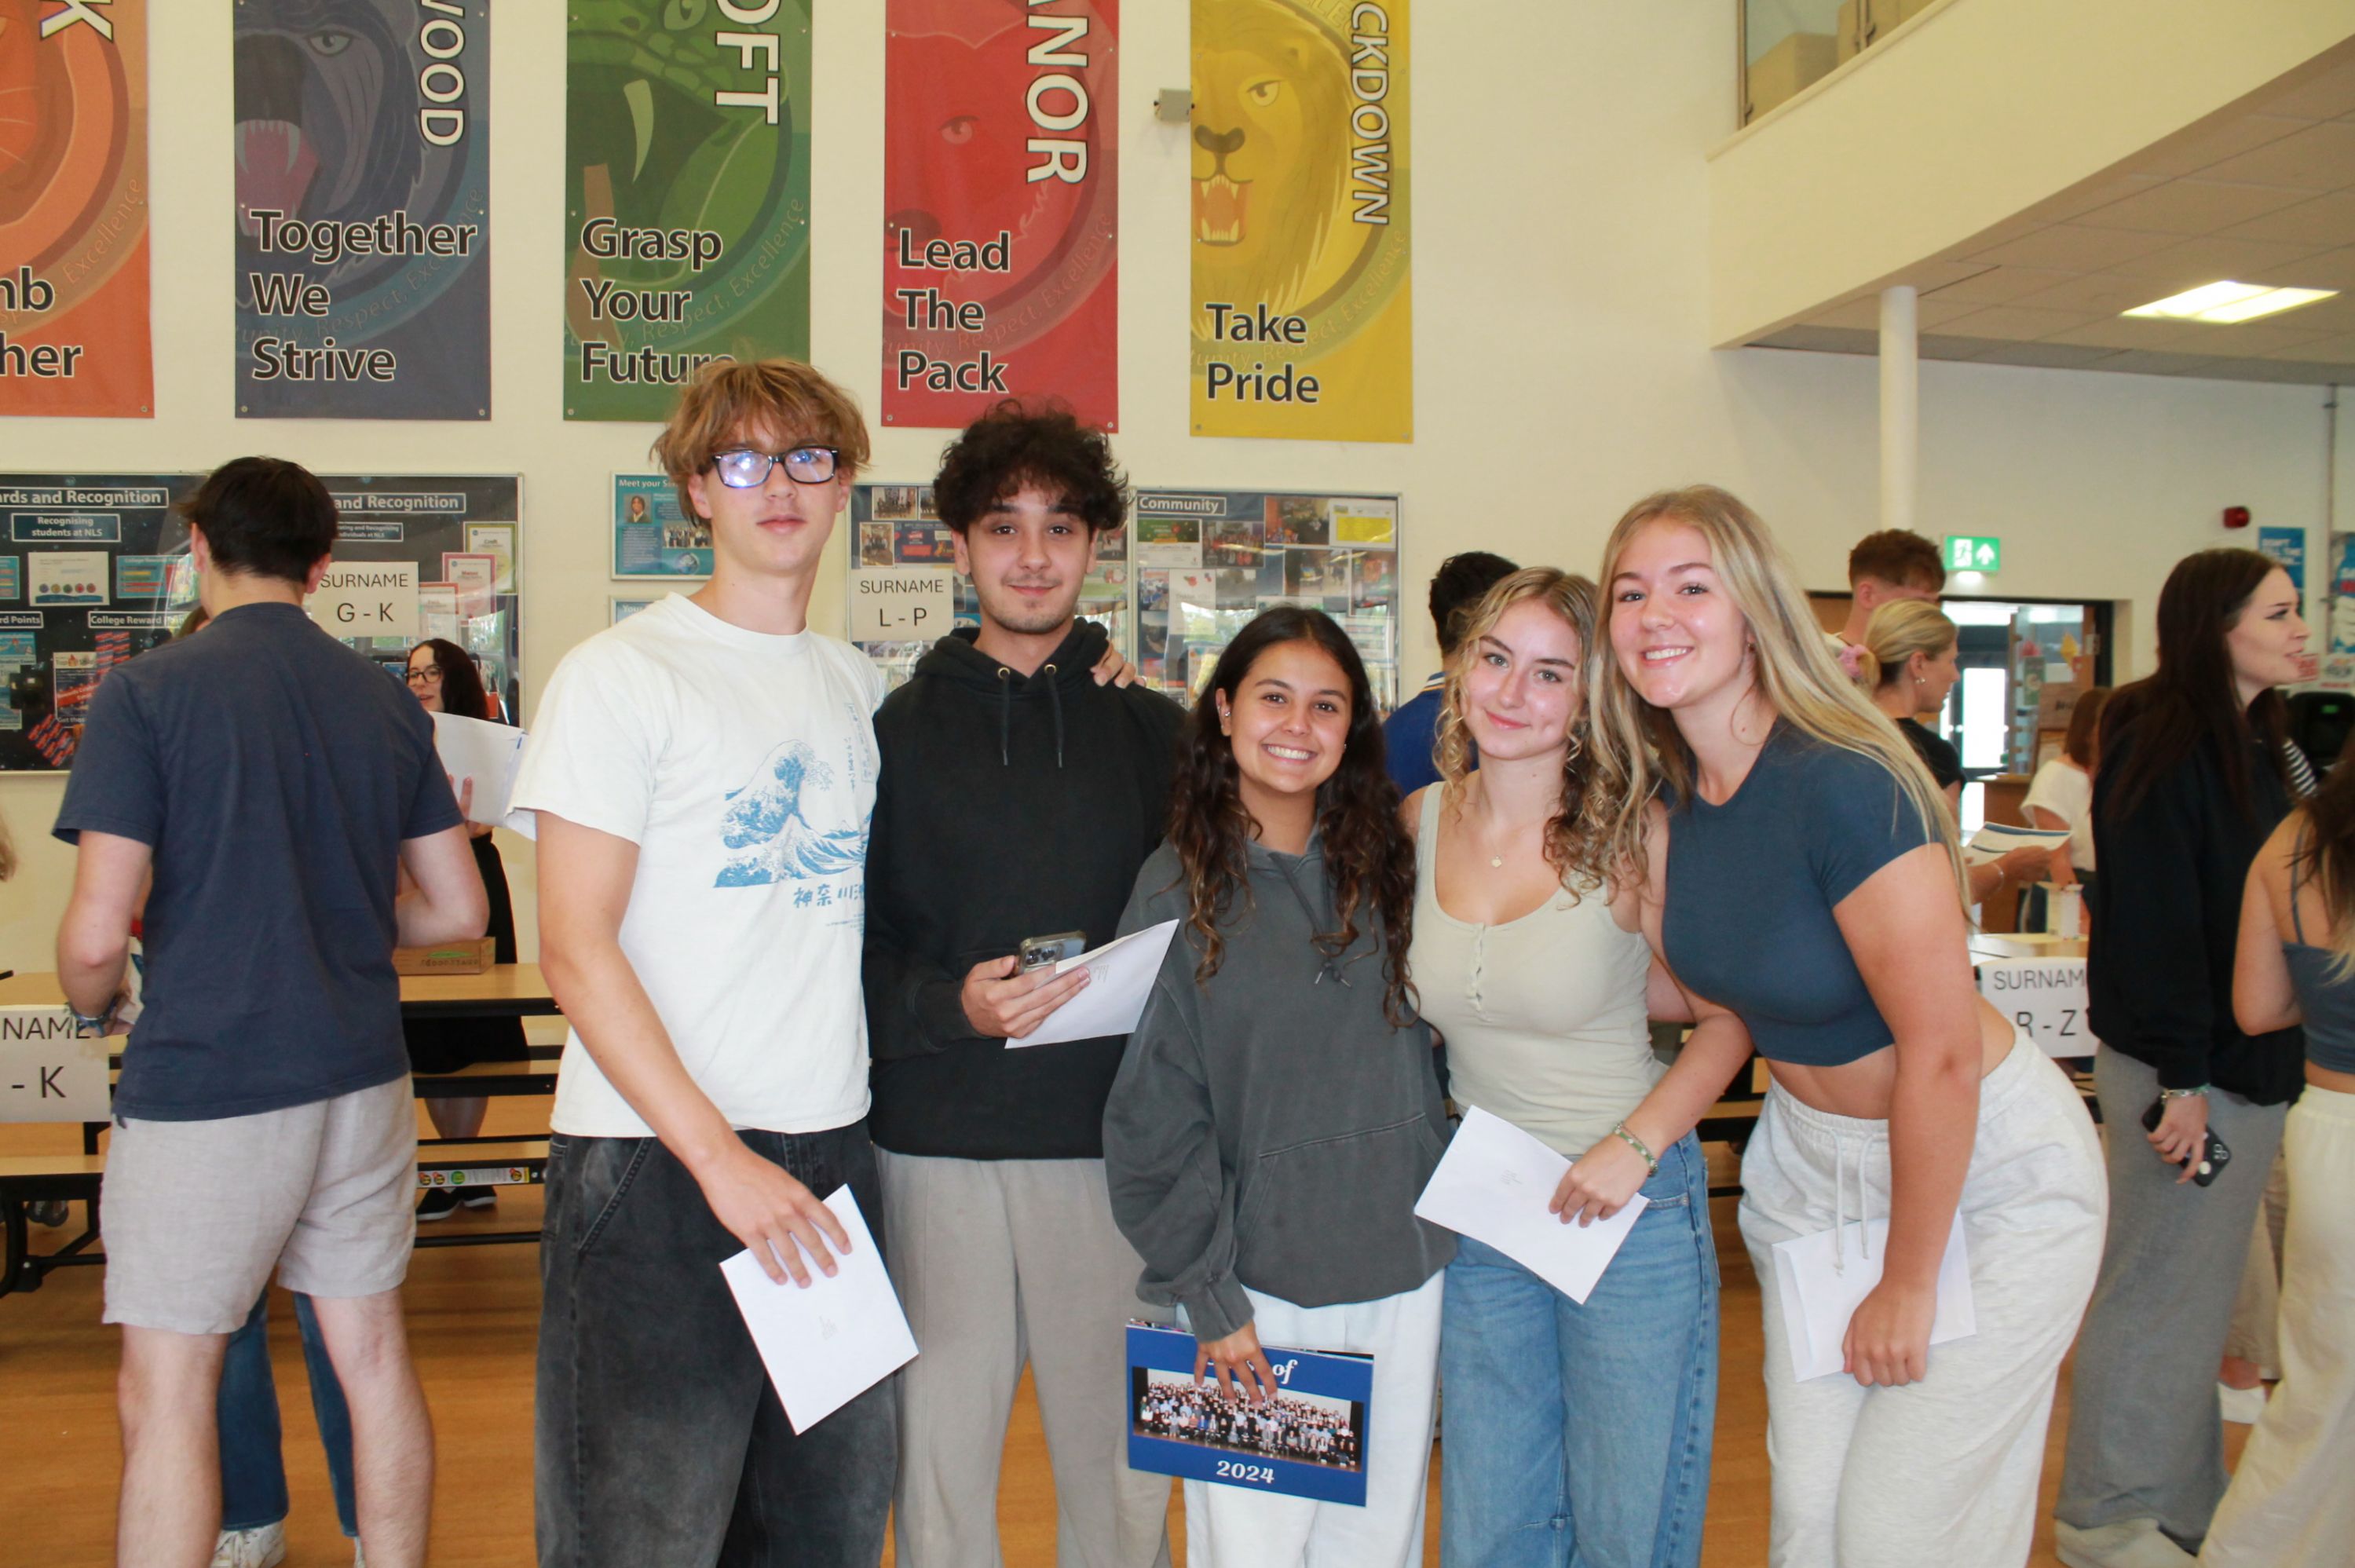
{"x": 1277, "y": 1111}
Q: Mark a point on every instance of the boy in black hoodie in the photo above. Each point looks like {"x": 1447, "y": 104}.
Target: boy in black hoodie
{"x": 1018, "y": 799}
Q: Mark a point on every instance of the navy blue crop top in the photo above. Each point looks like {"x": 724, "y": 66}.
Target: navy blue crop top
{"x": 1751, "y": 885}
{"x": 2327, "y": 1001}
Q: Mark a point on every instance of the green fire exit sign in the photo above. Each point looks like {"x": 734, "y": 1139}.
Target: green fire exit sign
{"x": 1967, "y": 553}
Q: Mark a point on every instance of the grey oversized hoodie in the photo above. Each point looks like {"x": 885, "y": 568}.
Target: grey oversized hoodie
{"x": 1271, "y": 1128}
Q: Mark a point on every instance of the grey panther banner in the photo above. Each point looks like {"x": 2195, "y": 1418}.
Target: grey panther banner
{"x": 363, "y": 210}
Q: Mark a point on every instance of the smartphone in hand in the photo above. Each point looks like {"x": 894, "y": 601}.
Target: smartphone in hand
{"x": 2213, "y": 1159}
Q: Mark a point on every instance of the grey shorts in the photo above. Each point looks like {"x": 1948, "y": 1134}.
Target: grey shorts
{"x": 196, "y": 1213}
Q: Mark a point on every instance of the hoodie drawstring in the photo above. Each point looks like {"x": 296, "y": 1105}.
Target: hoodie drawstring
{"x": 1005, "y": 715}
{"x": 1055, "y": 701}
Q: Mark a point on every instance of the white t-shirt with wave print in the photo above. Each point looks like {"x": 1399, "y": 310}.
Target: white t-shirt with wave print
{"x": 743, "y": 765}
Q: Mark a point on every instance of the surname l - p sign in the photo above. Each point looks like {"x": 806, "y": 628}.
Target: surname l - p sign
{"x": 901, "y": 603}
{"x": 1969, "y": 552}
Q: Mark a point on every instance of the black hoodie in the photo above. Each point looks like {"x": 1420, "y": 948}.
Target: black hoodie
{"x": 1009, "y": 806}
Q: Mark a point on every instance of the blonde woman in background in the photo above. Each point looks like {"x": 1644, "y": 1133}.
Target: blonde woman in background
{"x": 1910, "y": 665}
{"x": 2289, "y": 1505}
{"x": 1577, "y": 1432}
{"x": 1801, "y": 869}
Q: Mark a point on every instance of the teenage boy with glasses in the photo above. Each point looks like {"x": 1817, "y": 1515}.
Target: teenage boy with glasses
{"x": 702, "y": 774}
{"x": 1017, "y": 800}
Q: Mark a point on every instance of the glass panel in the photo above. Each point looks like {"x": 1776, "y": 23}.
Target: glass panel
{"x": 1789, "y": 45}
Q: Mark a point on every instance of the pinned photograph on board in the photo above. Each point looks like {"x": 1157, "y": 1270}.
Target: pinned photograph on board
{"x": 1231, "y": 542}
{"x": 1297, "y": 519}
{"x": 875, "y": 544}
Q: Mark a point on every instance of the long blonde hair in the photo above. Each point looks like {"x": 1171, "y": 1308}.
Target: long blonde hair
{"x": 1568, "y": 836}
{"x": 1899, "y": 630}
{"x": 1636, "y": 746}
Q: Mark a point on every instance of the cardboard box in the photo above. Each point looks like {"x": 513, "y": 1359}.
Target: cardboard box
{"x": 444, "y": 958}
{"x": 1782, "y": 72}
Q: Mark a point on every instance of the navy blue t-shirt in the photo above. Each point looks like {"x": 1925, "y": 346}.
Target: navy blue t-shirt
{"x": 274, "y": 772}
{"x": 1408, "y": 736}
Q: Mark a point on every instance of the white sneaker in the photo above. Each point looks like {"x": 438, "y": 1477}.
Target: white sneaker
{"x": 2240, "y": 1404}
{"x": 264, "y": 1546}
{"x": 2131, "y": 1544}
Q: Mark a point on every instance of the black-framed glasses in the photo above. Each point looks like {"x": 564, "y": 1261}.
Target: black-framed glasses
{"x": 424, "y": 672}
{"x": 741, "y": 468}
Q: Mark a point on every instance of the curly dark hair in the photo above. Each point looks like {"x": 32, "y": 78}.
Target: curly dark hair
{"x": 1367, "y": 851}
{"x": 1016, "y": 445}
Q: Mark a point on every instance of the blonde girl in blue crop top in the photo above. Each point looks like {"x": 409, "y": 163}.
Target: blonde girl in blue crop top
{"x": 1569, "y": 1424}
{"x": 1800, "y": 869}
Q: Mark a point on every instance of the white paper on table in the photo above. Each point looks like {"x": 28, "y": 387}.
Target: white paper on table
{"x": 825, "y": 1344}
{"x": 1493, "y": 1184}
{"x": 1819, "y": 1295}
{"x": 1120, "y": 977}
{"x": 487, "y": 755}
{"x": 1994, "y": 841}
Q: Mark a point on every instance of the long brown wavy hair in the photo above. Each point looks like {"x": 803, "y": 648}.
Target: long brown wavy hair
{"x": 1367, "y": 852}
{"x": 1570, "y": 840}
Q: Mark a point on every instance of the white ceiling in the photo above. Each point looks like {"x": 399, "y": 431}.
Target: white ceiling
{"x": 2262, "y": 194}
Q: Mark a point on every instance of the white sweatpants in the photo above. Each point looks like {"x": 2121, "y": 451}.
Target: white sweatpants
{"x": 1235, "y": 1527}
{"x": 1943, "y": 1470}
{"x": 2292, "y": 1501}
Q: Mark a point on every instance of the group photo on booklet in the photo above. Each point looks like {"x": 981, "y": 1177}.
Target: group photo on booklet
{"x": 949, "y": 814}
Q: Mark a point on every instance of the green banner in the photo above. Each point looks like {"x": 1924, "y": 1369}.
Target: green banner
{"x": 686, "y": 194}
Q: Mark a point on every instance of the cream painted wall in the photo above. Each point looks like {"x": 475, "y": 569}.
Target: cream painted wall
{"x": 1562, "y": 307}
{"x": 1976, "y": 111}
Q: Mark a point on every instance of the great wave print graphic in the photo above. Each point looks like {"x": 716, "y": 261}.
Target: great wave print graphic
{"x": 768, "y": 831}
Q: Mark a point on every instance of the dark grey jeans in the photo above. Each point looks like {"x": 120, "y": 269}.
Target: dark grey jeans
{"x": 660, "y": 1442}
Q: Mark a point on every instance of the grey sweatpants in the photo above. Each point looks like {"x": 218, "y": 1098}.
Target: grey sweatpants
{"x": 1943, "y": 1470}
{"x": 2146, "y": 1439}
{"x": 1001, "y": 1262}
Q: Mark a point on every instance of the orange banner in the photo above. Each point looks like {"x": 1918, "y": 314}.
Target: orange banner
{"x": 73, "y": 210}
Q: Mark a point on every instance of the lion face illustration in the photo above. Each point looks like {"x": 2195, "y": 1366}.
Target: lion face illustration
{"x": 1271, "y": 150}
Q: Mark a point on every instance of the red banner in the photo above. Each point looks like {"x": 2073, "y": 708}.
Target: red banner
{"x": 73, "y": 210}
{"x": 1001, "y": 196}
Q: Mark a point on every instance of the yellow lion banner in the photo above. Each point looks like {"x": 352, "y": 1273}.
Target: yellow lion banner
{"x": 1303, "y": 324}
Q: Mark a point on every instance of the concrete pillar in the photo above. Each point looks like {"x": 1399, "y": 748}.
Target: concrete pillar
{"x": 1900, "y": 407}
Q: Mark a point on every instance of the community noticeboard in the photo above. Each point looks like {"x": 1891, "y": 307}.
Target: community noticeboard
{"x": 687, "y": 196}
{"x": 1302, "y": 238}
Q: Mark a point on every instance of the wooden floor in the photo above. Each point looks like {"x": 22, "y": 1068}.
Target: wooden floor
{"x": 473, "y": 1315}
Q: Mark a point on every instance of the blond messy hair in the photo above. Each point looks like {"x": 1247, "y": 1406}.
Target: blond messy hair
{"x": 1637, "y": 748}
{"x": 1568, "y": 838}
{"x": 730, "y": 396}
{"x": 1898, "y": 631}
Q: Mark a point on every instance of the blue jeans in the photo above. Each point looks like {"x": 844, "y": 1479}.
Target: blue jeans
{"x": 252, "y": 1469}
{"x": 659, "y": 1438}
{"x": 1579, "y": 1436}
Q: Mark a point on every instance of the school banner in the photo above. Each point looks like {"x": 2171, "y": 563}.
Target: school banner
{"x": 1001, "y": 198}
{"x": 363, "y": 210}
{"x": 686, "y": 194}
{"x": 73, "y": 210}
{"x": 1302, "y": 276}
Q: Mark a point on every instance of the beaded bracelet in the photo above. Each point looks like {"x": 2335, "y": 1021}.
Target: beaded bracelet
{"x": 1619, "y": 1130}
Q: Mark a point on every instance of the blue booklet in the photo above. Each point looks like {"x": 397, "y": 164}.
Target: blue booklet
{"x": 1308, "y": 1442}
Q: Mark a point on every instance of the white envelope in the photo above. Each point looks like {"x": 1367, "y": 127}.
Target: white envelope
{"x": 1493, "y": 1184}
{"x": 1819, "y": 1295}
{"x": 828, "y": 1343}
{"x": 1120, "y": 977}
{"x": 488, "y": 754}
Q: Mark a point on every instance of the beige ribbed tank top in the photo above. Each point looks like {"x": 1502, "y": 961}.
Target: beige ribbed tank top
{"x": 1544, "y": 1015}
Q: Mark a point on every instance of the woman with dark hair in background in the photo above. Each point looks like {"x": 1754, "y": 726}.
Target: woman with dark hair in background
{"x": 2061, "y": 794}
{"x": 2290, "y": 1505}
{"x": 443, "y": 679}
{"x": 2192, "y": 778}
{"x": 1277, "y": 1111}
